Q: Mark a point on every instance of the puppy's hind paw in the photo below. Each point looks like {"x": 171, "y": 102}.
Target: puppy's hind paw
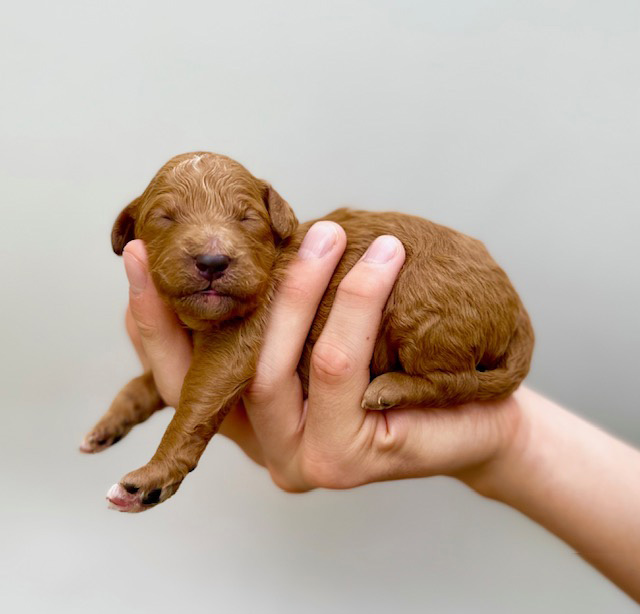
{"x": 380, "y": 394}
{"x": 375, "y": 403}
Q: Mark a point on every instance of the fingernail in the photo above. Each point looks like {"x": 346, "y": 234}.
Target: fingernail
{"x": 322, "y": 236}
{"x": 136, "y": 274}
{"x": 381, "y": 250}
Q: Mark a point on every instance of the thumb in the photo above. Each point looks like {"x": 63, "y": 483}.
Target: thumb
{"x": 166, "y": 343}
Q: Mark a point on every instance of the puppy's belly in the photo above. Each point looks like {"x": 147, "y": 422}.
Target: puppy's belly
{"x": 453, "y": 318}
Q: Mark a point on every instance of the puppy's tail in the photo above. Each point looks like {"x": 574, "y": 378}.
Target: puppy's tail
{"x": 500, "y": 382}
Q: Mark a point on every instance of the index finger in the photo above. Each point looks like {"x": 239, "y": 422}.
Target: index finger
{"x": 274, "y": 397}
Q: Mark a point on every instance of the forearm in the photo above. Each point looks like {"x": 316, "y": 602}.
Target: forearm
{"x": 578, "y": 482}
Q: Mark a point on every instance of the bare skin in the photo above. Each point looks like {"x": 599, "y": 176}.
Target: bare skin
{"x": 526, "y": 451}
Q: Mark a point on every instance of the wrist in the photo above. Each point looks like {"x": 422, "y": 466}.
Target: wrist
{"x": 518, "y": 435}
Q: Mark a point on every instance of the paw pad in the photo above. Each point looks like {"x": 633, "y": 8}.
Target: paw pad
{"x": 153, "y": 497}
{"x": 128, "y": 498}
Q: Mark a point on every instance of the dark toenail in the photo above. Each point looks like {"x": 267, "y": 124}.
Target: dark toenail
{"x": 152, "y": 497}
{"x": 131, "y": 489}
{"x": 101, "y": 442}
{"x": 116, "y": 439}
{"x": 192, "y": 468}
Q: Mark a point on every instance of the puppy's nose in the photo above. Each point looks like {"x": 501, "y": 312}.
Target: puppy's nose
{"x": 211, "y": 266}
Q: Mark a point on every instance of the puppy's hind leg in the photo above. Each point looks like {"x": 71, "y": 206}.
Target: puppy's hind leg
{"x": 133, "y": 404}
{"x": 435, "y": 389}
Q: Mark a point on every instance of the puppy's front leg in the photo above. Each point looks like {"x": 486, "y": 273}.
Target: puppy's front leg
{"x": 222, "y": 367}
{"x": 138, "y": 400}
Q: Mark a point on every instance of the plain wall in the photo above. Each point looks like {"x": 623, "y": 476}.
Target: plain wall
{"x": 515, "y": 122}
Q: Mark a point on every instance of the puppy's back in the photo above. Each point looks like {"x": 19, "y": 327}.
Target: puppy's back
{"x": 452, "y": 310}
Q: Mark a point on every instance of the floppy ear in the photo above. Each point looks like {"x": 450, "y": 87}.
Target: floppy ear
{"x": 123, "y": 229}
{"x": 283, "y": 219}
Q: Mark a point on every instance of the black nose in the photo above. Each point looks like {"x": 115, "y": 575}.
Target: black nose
{"x": 211, "y": 266}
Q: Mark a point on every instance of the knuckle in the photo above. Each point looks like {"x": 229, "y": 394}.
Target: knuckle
{"x": 295, "y": 291}
{"x": 147, "y": 329}
{"x": 355, "y": 290}
{"x": 266, "y": 383}
{"x": 264, "y": 375}
{"x": 330, "y": 363}
{"x": 360, "y": 289}
{"x": 146, "y": 326}
{"x": 260, "y": 389}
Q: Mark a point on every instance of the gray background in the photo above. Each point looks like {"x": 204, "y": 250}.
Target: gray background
{"x": 516, "y": 122}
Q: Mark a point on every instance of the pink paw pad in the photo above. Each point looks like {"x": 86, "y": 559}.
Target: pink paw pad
{"x": 125, "y": 501}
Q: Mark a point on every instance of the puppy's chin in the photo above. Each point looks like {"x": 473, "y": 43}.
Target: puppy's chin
{"x": 202, "y": 309}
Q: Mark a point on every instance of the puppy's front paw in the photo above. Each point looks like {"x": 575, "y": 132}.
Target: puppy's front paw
{"x": 143, "y": 489}
{"x": 128, "y": 499}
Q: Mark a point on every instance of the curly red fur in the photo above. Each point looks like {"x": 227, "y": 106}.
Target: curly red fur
{"x": 453, "y": 330}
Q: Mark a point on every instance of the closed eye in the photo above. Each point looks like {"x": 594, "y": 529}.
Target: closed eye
{"x": 164, "y": 218}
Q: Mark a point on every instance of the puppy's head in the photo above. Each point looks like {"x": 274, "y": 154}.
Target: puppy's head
{"x": 211, "y": 230}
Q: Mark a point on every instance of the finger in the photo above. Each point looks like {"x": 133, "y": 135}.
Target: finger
{"x": 165, "y": 342}
{"x": 274, "y": 399}
{"x": 340, "y": 361}
{"x": 297, "y": 298}
{"x": 136, "y": 340}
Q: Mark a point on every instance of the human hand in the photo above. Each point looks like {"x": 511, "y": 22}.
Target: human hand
{"x": 328, "y": 440}
{"x": 524, "y": 451}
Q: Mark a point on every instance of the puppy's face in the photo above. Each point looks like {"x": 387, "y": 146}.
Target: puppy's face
{"x": 211, "y": 230}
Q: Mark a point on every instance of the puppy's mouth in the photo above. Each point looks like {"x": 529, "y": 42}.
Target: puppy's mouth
{"x": 218, "y": 300}
{"x": 206, "y": 304}
{"x": 209, "y": 292}
{"x": 212, "y": 296}
{"x": 213, "y": 288}
{"x": 208, "y": 295}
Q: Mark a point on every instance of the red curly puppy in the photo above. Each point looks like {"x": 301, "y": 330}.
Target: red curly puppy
{"x": 219, "y": 240}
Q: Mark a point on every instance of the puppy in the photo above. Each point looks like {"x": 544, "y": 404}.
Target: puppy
{"x": 219, "y": 240}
